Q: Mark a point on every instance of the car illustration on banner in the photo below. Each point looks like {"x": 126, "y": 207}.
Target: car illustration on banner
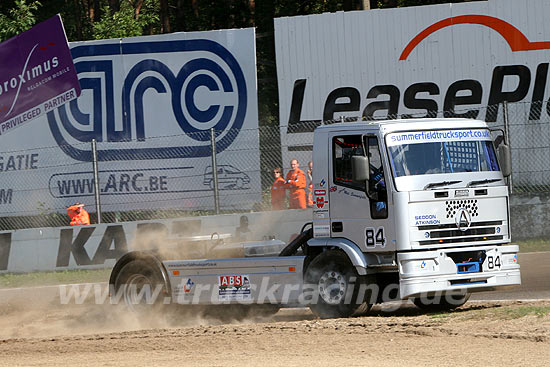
{"x": 229, "y": 178}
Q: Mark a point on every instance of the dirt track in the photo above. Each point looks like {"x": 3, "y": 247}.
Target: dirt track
{"x": 36, "y": 330}
{"x": 483, "y": 334}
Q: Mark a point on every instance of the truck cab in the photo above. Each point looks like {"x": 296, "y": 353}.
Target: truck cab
{"x": 425, "y": 199}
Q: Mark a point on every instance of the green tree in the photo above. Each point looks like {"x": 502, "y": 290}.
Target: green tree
{"x": 129, "y": 21}
{"x": 20, "y": 18}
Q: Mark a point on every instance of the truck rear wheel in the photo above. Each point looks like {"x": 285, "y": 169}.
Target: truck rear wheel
{"x": 441, "y": 303}
{"x": 335, "y": 284}
{"x": 140, "y": 285}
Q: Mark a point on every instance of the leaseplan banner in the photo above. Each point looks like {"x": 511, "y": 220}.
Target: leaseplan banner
{"x": 36, "y": 74}
{"x": 413, "y": 61}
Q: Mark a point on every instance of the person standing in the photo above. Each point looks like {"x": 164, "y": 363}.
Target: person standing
{"x": 78, "y": 215}
{"x": 310, "y": 186}
{"x": 278, "y": 194}
{"x": 296, "y": 184}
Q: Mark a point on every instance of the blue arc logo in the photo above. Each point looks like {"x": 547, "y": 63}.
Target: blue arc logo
{"x": 215, "y": 70}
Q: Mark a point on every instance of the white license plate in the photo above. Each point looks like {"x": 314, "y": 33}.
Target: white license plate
{"x": 493, "y": 261}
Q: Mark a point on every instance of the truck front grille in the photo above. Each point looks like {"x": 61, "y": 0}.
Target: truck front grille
{"x": 448, "y": 233}
{"x": 469, "y": 204}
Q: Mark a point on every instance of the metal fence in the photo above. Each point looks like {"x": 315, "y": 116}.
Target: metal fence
{"x": 38, "y": 185}
{"x": 529, "y": 133}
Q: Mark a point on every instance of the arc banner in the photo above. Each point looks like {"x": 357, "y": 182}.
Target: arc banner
{"x": 150, "y": 103}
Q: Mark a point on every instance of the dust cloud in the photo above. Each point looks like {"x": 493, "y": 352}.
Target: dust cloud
{"x": 43, "y": 312}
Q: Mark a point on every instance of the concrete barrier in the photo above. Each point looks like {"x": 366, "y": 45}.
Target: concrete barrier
{"x": 99, "y": 246}
{"x": 530, "y": 216}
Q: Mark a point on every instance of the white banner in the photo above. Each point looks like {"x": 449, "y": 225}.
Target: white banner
{"x": 390, "y": 63}
{"x": 150, "y": 103}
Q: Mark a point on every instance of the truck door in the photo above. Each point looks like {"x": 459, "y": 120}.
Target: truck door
{"x": 355, "y": 215}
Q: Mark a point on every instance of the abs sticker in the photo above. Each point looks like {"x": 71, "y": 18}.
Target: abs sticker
{"x": 234, "y": 288}
{"x": 375, "y": 238}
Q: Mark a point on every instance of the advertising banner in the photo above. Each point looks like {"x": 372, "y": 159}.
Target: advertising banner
{"x": 150, "y": 103}
{"x": 99, "y": 246}
{"x": 36, "y": 74}
{"x": 415, "y": 61}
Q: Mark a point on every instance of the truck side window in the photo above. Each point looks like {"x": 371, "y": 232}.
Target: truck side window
{"x": 377, "y": 181}
{"x": 343, "y": 148}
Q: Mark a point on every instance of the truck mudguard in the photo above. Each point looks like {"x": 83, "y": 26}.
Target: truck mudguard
{"x": 354, "y": 253}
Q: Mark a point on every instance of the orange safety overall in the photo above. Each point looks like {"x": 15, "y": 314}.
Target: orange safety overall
{"x": 78, "y": 215}
{"x": 278, "y": 194}
{"x": 310, "y": 195}
{"x": 296, "y": 184}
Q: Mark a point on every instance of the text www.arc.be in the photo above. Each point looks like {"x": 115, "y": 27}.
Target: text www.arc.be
{"x": 123, "y": 183}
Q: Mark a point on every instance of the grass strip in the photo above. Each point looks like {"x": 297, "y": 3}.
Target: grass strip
{"x": 16, "y": 280}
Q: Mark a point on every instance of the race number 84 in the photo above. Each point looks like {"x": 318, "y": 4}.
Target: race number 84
{"x": 375, "y": 237}
{"x": 493, "y": 262}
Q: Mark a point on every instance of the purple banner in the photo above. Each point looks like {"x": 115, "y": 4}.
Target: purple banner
{"x": 37, "y": 74}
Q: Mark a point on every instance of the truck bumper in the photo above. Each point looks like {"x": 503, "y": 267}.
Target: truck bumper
{"x": 435, "y": 271}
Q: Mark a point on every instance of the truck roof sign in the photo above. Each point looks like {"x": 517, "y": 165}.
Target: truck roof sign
{"x": 432, "y": 136}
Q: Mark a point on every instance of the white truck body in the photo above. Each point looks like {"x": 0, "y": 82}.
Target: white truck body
{"x": 420, "y": 233}
{"x": 436, "y": 222}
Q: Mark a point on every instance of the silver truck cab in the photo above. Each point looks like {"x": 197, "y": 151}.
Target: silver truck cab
{"x": 429, "y": 202}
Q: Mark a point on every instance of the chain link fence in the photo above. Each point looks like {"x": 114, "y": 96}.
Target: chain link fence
{"x": 166, "y": 179}
{"x": 529, "y": 133}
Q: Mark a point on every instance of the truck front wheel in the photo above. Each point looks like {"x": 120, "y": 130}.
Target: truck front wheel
{"x": 335, "y": 285}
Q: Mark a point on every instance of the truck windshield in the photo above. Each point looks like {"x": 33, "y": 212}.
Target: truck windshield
{"x": 441, "y": 151}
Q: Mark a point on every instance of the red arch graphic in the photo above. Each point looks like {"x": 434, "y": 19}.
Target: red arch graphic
{"x": 512, "y": 35}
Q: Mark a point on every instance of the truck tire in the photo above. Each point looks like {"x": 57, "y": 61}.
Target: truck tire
{"x": 441, "y": 303}
{"x": 140, "y": 285}
{"x": 335, "y": 284}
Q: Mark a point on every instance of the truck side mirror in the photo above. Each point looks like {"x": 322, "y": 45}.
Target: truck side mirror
{"x": 360, "y": 168}
{"x": 505, "y": 158}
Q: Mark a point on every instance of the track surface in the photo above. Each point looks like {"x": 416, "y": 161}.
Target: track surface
{"x": 36, "y": 330}
{"x": 535, "y": 280}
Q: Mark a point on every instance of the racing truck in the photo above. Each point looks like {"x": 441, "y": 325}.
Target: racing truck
{"x": 403, "y": 209}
